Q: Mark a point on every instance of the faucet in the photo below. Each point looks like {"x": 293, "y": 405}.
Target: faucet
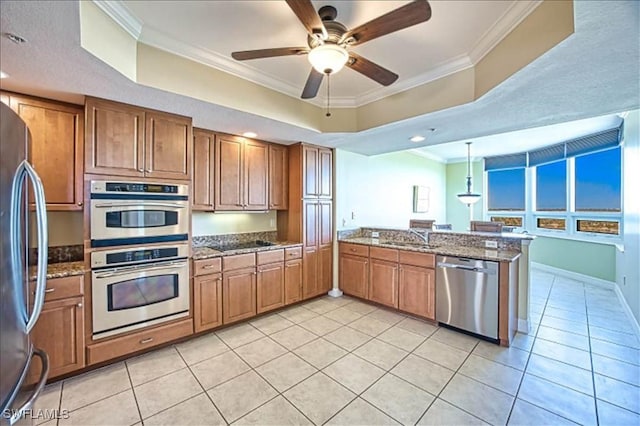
{"x": 424, "y": 237}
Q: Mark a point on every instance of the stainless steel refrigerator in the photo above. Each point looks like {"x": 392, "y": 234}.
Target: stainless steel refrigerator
{"x": 19, "y": 307}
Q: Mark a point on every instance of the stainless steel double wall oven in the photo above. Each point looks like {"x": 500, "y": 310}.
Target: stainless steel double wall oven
{"x": 139, "y": 283}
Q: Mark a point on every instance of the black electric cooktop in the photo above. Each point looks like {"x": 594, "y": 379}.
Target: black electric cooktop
{"x": 239, "y": 246}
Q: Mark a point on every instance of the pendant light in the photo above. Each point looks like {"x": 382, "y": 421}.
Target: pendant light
{"x": 469, "y": 197}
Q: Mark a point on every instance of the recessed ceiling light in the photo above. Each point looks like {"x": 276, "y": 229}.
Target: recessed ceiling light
{"x": 3, "y": 74}
{"x": 15, "y": 38}
{"x": 417, "y": 138}
{"x": 249, "y": 134}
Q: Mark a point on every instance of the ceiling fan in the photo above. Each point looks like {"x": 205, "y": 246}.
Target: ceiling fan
{"x": 329, "y": 41}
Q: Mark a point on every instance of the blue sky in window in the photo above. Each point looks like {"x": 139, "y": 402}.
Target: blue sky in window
{"x": 506, "y": 189}
{"x": 551, "y": 186}
{"x": 598, "y": 181}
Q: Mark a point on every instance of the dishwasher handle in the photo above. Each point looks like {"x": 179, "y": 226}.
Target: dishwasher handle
{"x": 466, "y": 268}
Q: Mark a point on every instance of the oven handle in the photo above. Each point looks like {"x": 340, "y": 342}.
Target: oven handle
{"x": 130, "y": 269}
{"x": 142, "y": 204}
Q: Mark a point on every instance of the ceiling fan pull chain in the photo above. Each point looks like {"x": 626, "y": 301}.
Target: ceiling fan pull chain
{"x": 328, "y": 114}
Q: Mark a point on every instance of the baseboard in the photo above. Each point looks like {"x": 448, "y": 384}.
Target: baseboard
{"x": 594, "y": 281}
{"x": 523, "y": 326}
{"x": 574, "y": 275}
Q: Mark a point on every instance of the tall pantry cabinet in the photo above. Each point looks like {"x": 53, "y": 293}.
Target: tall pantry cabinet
{"x": 309, "y": 218}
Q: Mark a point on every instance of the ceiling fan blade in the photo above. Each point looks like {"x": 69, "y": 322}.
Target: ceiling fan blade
{"x": 269, "y": 53}
{"x": 306, "y": 13}
{"x": 369, "y": 69}
{"x": 403, "y": 17}
{"x": 313, "y": 84}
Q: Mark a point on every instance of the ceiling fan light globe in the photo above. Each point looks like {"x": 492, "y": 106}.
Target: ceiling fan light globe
{"x": 328, "y": 58}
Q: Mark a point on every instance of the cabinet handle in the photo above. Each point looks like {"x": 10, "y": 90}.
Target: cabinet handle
{"x": 49, "y": 290}
{"x": 79, "y": 305}
{"x": 147, "y": 340}
{"x": 141, "y": 170}
{"x": 80, "y": 203}
{"x": 148, "y": 170}
{"x": 208, "y": 266}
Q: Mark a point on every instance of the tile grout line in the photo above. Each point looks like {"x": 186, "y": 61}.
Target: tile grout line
{"x": 133, "y": 391}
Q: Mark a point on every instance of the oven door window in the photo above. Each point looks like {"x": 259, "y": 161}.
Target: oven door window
{"x": 141, "y": 218}
{"x": 142, "y": 291}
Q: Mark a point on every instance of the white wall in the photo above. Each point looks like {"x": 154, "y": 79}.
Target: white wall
{"x": 378, "y": 190}
{"x": 226, "y": 223}
{"x": 628, "y": 269}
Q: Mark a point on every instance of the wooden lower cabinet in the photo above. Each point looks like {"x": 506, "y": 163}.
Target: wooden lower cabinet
{"x": 310, "y": 270}
{"x": 383, "y": 282}
{"x": 270, "y": 287}
{"x": 60, "y": 333}
{"x": 207, "y": 302}
{"x": 292, "y": 281}
{"x": 238, "y": 295}
{"x": 416, "y": 291}
{"x": 354, "y": 275}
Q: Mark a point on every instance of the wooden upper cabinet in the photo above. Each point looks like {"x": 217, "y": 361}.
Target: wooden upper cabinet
{"x": 203, "y": 167}
{"x": 310, "y": 225}
{"x": 228, "y": 187}
{"x": 125, "y": 140}
{"x": 278, "y": 177}
{"x": 255, "y": 168}
{"x": 56, "y": 148}
{"x": 114, "y": 139}
{"x": 310, "y": 187}
{"x": 241, "y": 175}
{"x": 325, "y": 220}
{"x": 168, "y": 146}
{"x": 325, "y": 173}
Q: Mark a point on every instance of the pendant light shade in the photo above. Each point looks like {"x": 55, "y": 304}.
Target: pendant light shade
{"x": 469, "y": 197}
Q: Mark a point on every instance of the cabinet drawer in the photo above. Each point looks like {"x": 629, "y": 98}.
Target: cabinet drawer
{"x": 293, "y": 253}
{"x": 354, "y": 249}
{"x": 61, "y": 288}
{"x": 270, "y": 256}
{"x": 384, "y": 254}
{"x": 131, "y": 343}
{"x": 207, "y": 266}
{"x": 238, "y": 261}
{"x": 426, "y": 260}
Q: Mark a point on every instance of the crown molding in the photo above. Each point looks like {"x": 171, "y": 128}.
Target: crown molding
{"x": 510, "y": 19}
{"x": 117, "y": 11}
{"x": 420, "y": 153}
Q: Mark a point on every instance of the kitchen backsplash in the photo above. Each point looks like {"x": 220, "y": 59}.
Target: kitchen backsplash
{"x": 206, "y": 240}
{"x": 59, "y": 254}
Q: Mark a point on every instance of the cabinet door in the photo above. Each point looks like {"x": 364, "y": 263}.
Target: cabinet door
{"x": 354, "y": 275}
{"x": 57, "y": 137}
{"x": 270, "y": 287}
{"x": 310, "y": 271}
{"x": 310, "y": 184}
{"x": 292, "y": 281}
{"x": 256, "y": 174}
{"x": 203, "y": 161}
{"x": 207, "y": 301}
{"x": 383, "y": 282}
{"x": 278, "y": 177}
{"x": 325, "y": 266}
{"x": 310, "y": 224}
{"x": 168, "y": 146}
{"x": 114, "y": 139}
{"x": 325, "y": 173}
{"x": 228, "y": 173}
{"x": 239, "y": 295}
{"x": 417, "y": 291}
{"x": 60, "y": 333}
{"x": 325, "y": 223}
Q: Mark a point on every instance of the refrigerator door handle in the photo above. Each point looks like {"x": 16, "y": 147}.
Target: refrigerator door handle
{"x": 26, "y": 170}
{"x": 44, "y": 374}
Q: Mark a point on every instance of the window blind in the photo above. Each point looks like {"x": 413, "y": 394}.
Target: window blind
{"x": 596, "y": 142}
{"x": 511, "y": 161}
{"x": 547, "y": 155}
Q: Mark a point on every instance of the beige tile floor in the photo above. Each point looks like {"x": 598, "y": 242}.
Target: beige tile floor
{"x": 342, "y": 361}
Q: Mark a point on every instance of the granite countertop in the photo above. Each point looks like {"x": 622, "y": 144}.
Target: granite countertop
{"x": 199, "y": 253}
{"x": 60, "y": 270}
{"x": 445, "y": 250}
{"x": 511, "y": 235}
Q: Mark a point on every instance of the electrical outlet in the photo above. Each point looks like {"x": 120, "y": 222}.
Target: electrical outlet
{"x": 491, "y": 244}
{"x": 375, "y": 234}
{"x": 353, "y": 215}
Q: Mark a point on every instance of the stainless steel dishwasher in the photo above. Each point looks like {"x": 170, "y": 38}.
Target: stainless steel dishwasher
{"x": 467, "y": 294}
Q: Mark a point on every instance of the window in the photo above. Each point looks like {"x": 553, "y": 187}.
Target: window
{"x": 551, "y": 186}
{"x": 515, "y": 221}
{"x": 598, "y": 181}
{"x": 506, "y": 189}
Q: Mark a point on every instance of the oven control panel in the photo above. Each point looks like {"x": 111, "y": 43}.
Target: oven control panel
{"x": 113, "y": 258}
{"x": 140, "y": 188}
